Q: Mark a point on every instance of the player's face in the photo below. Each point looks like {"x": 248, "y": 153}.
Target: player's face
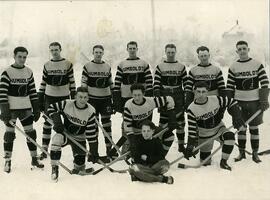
{"x": 242, "y": 50}
{"x": 170, "y": 53}
{"x": 55, "y": 51}
{"x": 20, "y": 58}
{"x": 201, "y": 94}
{"x": 98, "y": 53}
{"x": 81, "y": 99}
{"x": 204, "y": 57}
{"x": 137, "y": 96}
{"x": 147, "y": 132}
{"x": 132, "y": 50}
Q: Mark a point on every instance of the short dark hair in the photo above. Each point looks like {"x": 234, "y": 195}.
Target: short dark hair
{"x": 202, "y": 48}
{"x": 137, "y": 86}
{"x": 56, "y": 44}
{"x": 132, "y": 43}
{"x": 170, "y": 46}
{"x": 148, "y": 123}
{"x": 82, "y": 89}
{"x": 241, "y": 42}
{"x": 201, "y": 84}
{"x": 98, "y": 46}
{"x": 20, "y": 49}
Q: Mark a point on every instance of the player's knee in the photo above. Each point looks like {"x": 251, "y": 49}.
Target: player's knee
{"x": 229, "y": 136}
{"x": 9, "y": 136}
{"x": 79, "y": 160}
{"x": 58, "y": 139}
{"x": 32, "y": 134}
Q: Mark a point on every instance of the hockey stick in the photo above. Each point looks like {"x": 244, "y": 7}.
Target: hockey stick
{"x": 184, "y": 166}
{"x": 265, "y": 152}
{"x": 40, "y": 147}
{"x": 107, "y": 136}
{"x": 248, "y": 152}
{"x": 216, "y": 136}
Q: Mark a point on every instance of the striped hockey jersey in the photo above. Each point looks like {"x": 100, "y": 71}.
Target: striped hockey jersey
{"x": 170, "y": 75}
{"x": 132, "y": 71}
{"x": 245, "y": 78}
{"x": 78, "y": 122}
{"x": 97, "y": 78}
{"x": 58, "y": 78}
{"x": 135, "y": 114}
{"x": 18, "y": 87}
{"x": 207, "y": 117}
{"x": 211, "y": 74}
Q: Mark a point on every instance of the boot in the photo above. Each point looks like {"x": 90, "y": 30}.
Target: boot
{"x": 242, "y": 155}
{"x": 181, "y": 148}
{"x": 168, "y": 179}
{"x": 43, "y": 155}
{"x": 224, "y": 165}
{"x": 55, "y": 173}
{"x": 255, "y": 157}
{"x": 7, "y": 167}
{"x": 36, "y": 163}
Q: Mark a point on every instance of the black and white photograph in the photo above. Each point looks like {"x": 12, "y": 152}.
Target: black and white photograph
{"x": 134, "y": 100}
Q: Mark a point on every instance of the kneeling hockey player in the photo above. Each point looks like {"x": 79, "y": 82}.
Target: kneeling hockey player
{"x": 149, "y": 161}
{"x": 205, "y": 116}
{"x": 79, "y": 123}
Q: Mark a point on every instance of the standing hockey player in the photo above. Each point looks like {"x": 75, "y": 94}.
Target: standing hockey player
{"x": 244, "y": 77}
{"x": 79, "y": 123}
{"x": 205, "y": 71}
{"x": 18, "y": 99}
{"x": 205, "y": 116}
{"x": 170, "y": 80}
{"x": 130, "y": 71}
{"x": 149, "y": 162}
{"x": 57, "y": 84}
{"x": 140, "y": 108}
{"x": 97, "y": 77}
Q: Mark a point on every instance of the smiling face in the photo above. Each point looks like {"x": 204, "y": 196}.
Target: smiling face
{"x": 242, "y": 50}
{"x": 20, "y": 58}
{"x": 81, "y": 99}
{"x": 147, "y": 132}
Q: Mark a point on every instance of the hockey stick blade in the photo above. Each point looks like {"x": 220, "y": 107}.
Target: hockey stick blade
{"x": 262, "y": 153}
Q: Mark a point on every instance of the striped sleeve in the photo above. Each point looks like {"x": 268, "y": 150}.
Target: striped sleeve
{"x": 128, "y": 121}
{"x": 164, "y": 101}
{"x": 192, "y": 124}
{"x": 231, "y": 81}
{"x": 4, "y": 85}
{"x": 220, "y": 81}
{"x": 118, "y": 79}
{"x": 263, "y": 77}
{"x": 148, "y": 78}
{"x": 110, "y": 80}
{"x": 56, "y": 107}
{"x": 90, "y": 132}
{"x": 84, "y": 80}
{"x": 190, "y": 82}
{"x": 157, "y": 79}
{"x": 43, "y": 81}
{"x": 72, "y": 85}
{"x": 184, "y": 77}
{"x": 32, "y": 89}
{"x": 226, "y": 102}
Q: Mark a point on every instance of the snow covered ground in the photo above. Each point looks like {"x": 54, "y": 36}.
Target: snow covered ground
{"x": 247, "y": 180}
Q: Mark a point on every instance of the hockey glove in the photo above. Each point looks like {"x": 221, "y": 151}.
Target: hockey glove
{"x": 36, "y": 110}
{"x": 5, "y": 112}
{"x": 192, "y": 143}
{"x": 157, "y": 93}
{"x": 72, "y": 94}
{"x": 263, "y": 96}
{"x": 58, "y": 126}
{"x": 41, "y": 101}
{"x": 237, "y": 120}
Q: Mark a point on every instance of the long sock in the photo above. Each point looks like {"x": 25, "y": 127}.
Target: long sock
{"x": 254, "y": 139}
